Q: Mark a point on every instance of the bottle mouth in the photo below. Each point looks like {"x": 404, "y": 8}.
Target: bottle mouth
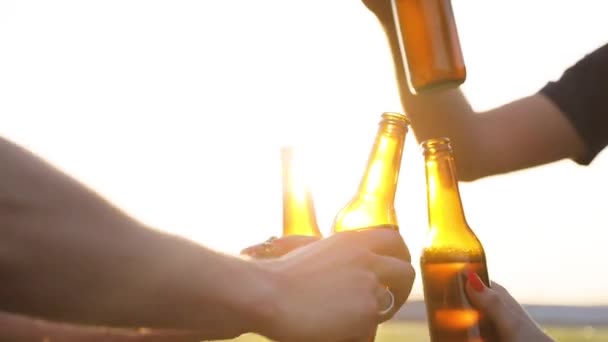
{"x": 287, "y": 151}
{"x": 435, "y": 145}
{"x": 395, "y": 117}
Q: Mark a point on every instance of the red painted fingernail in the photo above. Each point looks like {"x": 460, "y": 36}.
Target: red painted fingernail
{"x": 475, "y": 281}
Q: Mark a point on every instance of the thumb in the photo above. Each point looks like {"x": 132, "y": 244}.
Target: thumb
{"x": 261, "y": 250}
{"x": 289, "y": 243}
{"x": 491, "y": 304}
{"x": 274, "y": 248}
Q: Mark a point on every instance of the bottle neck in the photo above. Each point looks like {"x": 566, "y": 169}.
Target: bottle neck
{"x": 379, "y": 182}
{"x": 299, "y": 217}
{"x": 443, "y": 197}
{"x": 373, "y": 205}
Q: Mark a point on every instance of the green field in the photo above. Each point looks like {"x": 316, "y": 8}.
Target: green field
{"x": 417, "y": 332}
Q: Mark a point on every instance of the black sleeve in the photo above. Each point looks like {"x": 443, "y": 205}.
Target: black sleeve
{"x": 581, "y": 94}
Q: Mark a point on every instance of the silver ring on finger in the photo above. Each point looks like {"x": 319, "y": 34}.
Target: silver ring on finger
{"x": 390, "y": 305}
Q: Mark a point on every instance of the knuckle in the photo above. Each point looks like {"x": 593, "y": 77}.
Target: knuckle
{"x": 365, "y": 281}
{"x": 492, "y": 299}
{"x": 512, "y": 325}
{"x": 370, "y": 279}
{"x": 406, "y": 272}
{"x": 499, "y": 289}
{"x": 363, "y": 277}
{"x": 361, "y": 256}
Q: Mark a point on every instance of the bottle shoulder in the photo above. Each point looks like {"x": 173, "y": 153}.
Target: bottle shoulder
{"x": 457, "y": 242}
{"x": 365, "y": 213}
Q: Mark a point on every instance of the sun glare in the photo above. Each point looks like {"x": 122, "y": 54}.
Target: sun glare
{"x": 176, "y": 112}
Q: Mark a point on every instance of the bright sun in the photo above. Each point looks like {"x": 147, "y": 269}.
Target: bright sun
{"x": 176, "y": 112}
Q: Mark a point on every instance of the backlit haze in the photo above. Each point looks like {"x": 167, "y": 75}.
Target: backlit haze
{"x": 175, "y": 111}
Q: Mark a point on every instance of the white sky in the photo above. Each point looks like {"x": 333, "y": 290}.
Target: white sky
{"x": 175, "y": 110}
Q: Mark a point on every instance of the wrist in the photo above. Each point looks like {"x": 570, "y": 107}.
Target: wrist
{"x": 260, "y": 299}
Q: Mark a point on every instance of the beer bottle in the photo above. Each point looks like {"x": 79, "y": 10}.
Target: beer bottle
{"x": 429, "y": 44}
{"x": 299, "y": 216}
{"x": 373, "y": 204}
{"x": 452, "y": 249}
{"x": 372, "y": 207}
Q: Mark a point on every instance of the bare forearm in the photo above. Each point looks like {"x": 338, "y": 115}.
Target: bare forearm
{"x": 15, "y": 327}
{"x": 441, "y": 113}
{"x": 484, "y": 143}
{"x": 66, "y": 254}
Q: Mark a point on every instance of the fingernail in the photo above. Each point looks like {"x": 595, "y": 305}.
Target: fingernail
{"x": 475, "y": 281}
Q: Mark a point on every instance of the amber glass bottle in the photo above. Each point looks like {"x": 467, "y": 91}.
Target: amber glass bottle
{"x": 299, "y": 217}
{"x": 373, "y": 207}
{"x": 373, "y": 204}
{"x": 429, "y": 44}
{"x": 451, "y": 250}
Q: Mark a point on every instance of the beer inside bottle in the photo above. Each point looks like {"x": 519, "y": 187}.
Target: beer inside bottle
{"x": 450, "y": 251}
{"x": 372, "y": 207}
{"x": 429, "y": 44}
{"x": 373, "y": 204}
{"x": 299, "y": 217}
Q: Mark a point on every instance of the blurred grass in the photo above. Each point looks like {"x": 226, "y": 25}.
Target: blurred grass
{"x": 417, "y": 332}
